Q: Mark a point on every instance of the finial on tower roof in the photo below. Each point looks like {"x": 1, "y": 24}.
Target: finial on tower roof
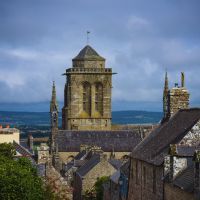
{"x": 88, "y": 32}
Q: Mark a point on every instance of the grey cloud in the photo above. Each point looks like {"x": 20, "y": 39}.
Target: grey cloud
{"x": 39, "y": 38}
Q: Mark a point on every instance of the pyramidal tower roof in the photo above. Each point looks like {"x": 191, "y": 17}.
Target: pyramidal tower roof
{"x": 88, "y": 53}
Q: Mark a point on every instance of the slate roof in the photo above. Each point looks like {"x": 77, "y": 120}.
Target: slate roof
{"x": 120, "y": 141}
{"x": 23, "y": 151}
{"x": 125, "y": 168}
{"x": 83, "y": 170}
{"x": 155, "y": 146}
{"x": 186, "y": 151}
{"x": 115, "y": 177}
{"x": 185, "y": 180}
{"x": 80, "y": 155}
{"x": 115, "y": 163}
{"x": 88, "y": 53}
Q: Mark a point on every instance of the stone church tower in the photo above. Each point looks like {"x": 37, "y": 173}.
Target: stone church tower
{"x": 87, "y": 95}
{"x": 174, "y": 99}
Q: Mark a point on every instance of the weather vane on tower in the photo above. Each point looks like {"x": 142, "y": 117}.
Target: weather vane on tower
{"x": 88, "y": 32}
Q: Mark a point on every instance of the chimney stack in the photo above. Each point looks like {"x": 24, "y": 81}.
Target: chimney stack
{"x": 30, "y": 142}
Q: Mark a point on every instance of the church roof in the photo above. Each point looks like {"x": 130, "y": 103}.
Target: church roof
{"x": 155, "y": 146}
{"x": 119, "y": 141}
{"x": 88, "y": 53}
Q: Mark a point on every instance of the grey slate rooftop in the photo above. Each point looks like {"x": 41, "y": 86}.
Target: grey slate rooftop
{"x": 185, "y": 180}
{"x": 119, "y": 141}
{"x": 88, "y": 53}
{"x": 155, "y": 146}
{"x": 186, "y": 151}
{"x": 83, "y": 170}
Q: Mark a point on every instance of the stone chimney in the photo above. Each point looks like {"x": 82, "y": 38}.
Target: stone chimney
{"x": 178, "y": 98}
{"x": 197, "y": 174}
{"x": 30, "y": 141}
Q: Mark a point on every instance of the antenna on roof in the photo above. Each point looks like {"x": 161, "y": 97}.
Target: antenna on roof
{"x": 88, "y": 32}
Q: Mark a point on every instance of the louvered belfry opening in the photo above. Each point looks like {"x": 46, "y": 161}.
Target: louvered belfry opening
{"x": 87, "y": 98}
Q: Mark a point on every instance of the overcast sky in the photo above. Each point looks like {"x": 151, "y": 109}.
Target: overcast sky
{"x": 139, "y": 39}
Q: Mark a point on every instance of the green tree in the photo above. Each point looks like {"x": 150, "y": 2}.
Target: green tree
{"x": 7, "y": 150}
{"x": 19, "y": 179}
{"x": 99, "y": 187}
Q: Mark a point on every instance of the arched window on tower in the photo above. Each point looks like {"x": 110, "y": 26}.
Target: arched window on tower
{"x": 99, "y": 98}
{"x": 87, "y": 98}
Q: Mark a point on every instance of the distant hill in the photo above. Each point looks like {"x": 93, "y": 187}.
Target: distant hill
{"x": 42, "y": 118}
{"x": 38, "y": 123}
{"x": 135, "y": 117}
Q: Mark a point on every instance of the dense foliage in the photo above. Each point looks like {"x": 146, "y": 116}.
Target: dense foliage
{"x": 7, "y": 150}
{"x": 99, "y": 187}
{"x": 96, "y": 193}
{"x": 18, "y": 178}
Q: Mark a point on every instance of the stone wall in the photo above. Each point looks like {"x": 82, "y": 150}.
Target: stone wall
{"x": 104, "y": 168}
{"x": 73, "y": 113}
{"x": 145, "y": 181}
{"x": 58, "y": 185}
{"x": 178, "y": 98}
{"x": 174, "y": 193}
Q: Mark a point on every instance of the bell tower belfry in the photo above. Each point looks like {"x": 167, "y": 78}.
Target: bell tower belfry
{"x": 87, "y": 96}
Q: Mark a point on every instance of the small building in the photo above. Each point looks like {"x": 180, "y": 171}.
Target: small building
{"x": 8, "y": 135}
{"x": 87, "y": 175}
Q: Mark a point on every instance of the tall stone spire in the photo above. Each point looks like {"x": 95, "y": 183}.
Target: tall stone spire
{"x": 165, "y": 96}
{"x": 54, "y": 118}
{"x": 53, "y": 104}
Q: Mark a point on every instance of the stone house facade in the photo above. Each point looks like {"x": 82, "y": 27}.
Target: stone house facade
{"x": 87, "y": 175}
{"x": 147, "y": 169}
{"x": 145, "y": 181}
